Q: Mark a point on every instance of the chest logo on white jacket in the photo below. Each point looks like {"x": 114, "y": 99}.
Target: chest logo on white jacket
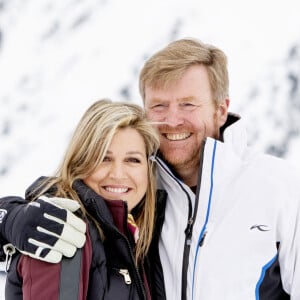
{"x": 260, "y": 227}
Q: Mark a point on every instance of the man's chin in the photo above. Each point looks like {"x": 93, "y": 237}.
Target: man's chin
{"x": 179, "y": 160}
{"x": 176, "y": 161}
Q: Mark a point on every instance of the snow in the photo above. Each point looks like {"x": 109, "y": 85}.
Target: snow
{"x": 57, "y": 57}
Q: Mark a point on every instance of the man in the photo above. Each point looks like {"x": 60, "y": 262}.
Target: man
{"x": 232, "y": 224}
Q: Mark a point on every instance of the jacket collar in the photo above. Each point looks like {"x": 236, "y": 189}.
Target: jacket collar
{"x": 112, "y": 212}
{"x": 233, "y": 139}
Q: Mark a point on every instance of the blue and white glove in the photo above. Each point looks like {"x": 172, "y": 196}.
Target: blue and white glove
{"x": 45, "y": 229}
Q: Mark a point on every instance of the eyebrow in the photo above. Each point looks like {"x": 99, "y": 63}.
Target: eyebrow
{"x": 189, "y": 98}
{"x": 135, "y": 152}
{"x": 130, "y": 152}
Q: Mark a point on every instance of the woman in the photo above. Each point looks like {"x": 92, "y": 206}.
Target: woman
{"x": 108, "y": 169}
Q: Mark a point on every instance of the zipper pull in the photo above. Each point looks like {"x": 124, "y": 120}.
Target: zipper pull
{"x": 9, "y": 251}
{"x": 202, "y": 239}
{"x": 188, "y": 231}
{"x": 126, "y": 275}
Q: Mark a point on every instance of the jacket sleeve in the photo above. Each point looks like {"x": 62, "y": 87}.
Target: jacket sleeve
{"x": 67, "y": 280}
{"x": 289, "y": 234}
{"x": 6, "y": 205}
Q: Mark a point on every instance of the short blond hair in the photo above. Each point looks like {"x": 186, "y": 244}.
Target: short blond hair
{"x": 168, "y": 65}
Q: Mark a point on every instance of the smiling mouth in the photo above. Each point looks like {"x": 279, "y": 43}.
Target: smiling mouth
{"x": 117, "y": 190}
{"x": 177, "y": 136}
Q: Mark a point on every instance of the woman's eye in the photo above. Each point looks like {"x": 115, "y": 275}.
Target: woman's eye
{"x": 133, "y": 160}
{"x": 106, "y": 158}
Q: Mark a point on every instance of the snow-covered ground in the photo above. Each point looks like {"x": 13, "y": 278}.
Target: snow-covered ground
{"x": 58, "y": 56}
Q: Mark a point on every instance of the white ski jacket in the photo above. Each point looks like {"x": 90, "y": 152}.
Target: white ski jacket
{"x": 238, "y": 238}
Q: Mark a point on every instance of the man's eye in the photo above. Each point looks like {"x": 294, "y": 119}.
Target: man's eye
{"x": 159, "y": 107}
{"x": 187, "y": 106}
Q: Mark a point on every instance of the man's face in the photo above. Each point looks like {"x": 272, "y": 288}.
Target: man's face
{"x": 185, "y": 113}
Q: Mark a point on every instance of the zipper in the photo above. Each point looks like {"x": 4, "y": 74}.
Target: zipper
{"x": 190, "y": 223}
{"x": 204, "y": 231}
{"x": 189, "y": 230}
{"x": 126, "y": 275}
{"x": 188, "y": 234}
{"x": 139, "y": 282}
{"x": 186, "y": 254}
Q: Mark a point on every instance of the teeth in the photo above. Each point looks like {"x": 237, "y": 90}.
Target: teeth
{"x": 116, "y": 190}
{"x": 177, "y": 136}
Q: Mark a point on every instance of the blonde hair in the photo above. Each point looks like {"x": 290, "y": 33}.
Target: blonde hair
{"x": 88, "y": 147}
{"x": 169, "y": 64}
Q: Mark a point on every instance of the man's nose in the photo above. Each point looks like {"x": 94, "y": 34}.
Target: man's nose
{"x": 174, "y": 116}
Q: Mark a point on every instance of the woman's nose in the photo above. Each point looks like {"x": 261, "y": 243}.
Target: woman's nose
{"x": 117, "y": 170}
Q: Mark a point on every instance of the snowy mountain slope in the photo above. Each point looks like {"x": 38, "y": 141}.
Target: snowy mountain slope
{"x": 276, "y": 126}
{"x": 57, "y": 57}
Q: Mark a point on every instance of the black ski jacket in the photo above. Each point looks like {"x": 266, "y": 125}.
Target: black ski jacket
{"x": 102, "y": 269}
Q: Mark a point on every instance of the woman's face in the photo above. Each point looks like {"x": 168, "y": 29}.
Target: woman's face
{"x": 123, "y": 173}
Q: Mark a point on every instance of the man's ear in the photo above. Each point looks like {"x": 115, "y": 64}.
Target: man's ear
{"x": 222, "y": 111}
